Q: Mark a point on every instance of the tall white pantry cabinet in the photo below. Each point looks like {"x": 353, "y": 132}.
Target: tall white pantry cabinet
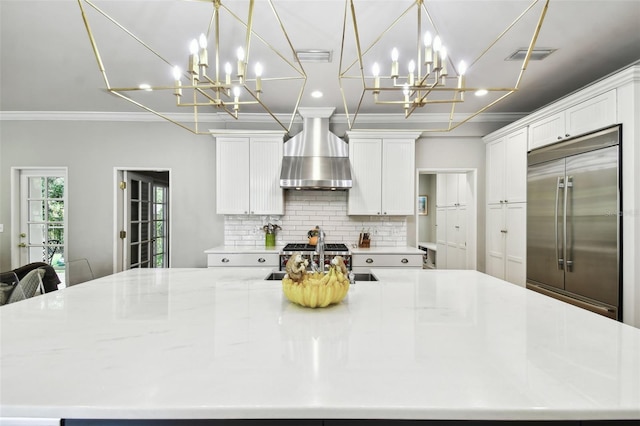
{"x": 506, "y": 229}
{"x": 248, "y": 174}
{"x": 451, "y": 219}
{"x": 383, "y": 173}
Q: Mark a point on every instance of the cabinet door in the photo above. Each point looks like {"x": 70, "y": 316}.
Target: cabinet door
{"x": 365, "y": 196}
{"x": 266, "y": 195}
{"x": 515, "y": 167}
{"x": 452, "y": 249}
{"x": 495, "y": 240}
{"x": 441, "y": 190}
{"x": 592, "y": 114}
{"x": 516, "y": 245}
{"x": 232, "y": 175}
{"x": 462, "y": 189}
{"x": 441, "y": 237}
{"x": 398, "y": 176}
{"x": 496, "y": 156}
{"x": 546, "y": 131}
{"x": 461, "y": 236}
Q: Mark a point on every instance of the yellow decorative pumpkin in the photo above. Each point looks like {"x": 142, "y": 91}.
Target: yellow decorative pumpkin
{"x": 317, "y": 289}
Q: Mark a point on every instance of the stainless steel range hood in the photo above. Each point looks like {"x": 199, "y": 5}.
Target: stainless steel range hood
{"x": 316, "y": 158}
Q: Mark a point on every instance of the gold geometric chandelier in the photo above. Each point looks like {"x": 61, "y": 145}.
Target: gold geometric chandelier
{"x": 207, "y": 79}
{"x": 431, "y": 77}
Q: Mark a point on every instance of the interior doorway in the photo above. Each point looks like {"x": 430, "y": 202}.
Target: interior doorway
{"x": 143, "y": 217}
{"x": 446, "y": 219}
{"x": 39, "y": 200}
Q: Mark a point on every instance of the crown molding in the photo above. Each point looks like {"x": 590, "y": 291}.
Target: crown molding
{"x": 389, "y": 119}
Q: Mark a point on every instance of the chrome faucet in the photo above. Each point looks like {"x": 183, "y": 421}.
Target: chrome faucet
{"x": 320, "y": 249}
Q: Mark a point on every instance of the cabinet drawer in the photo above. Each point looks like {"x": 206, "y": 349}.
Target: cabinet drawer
{"x": 387, "y": 261}
{"x": 266, "y": 260}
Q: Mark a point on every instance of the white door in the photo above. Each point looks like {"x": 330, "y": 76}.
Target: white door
{"x": 146, "y": 209}
{"x": 42, "y": 220}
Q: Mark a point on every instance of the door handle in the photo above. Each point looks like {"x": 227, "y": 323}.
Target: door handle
{"x": 404, "y": 260}
{"x": 369, "y": 260}
{"x": 567, "y": 250}
{"x": 22, "y": 245}
{"x": 559, "y": 184}
{"x": 225, "y": 260}
{"x": 261, "y": 260}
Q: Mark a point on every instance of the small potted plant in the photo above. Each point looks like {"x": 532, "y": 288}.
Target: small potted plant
{"x": 270, "y": 234}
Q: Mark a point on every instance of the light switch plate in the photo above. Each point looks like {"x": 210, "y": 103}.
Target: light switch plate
{"x": 1, "y": 227}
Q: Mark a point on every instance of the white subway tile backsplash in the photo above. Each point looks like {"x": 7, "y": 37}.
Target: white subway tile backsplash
{"x": 306, "y": 209}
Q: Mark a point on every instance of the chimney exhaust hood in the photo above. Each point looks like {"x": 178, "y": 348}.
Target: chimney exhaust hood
{"x": 316, "y": 158}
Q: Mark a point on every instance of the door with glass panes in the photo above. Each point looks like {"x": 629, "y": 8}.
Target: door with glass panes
{"x": 42, "y": 233}
{"x": 146, "y": 210}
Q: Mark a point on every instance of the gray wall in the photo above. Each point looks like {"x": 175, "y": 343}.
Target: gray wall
{"x": 91, "y": 151}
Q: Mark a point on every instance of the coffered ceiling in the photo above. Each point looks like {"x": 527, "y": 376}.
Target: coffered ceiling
{"x": 47, "y": 63}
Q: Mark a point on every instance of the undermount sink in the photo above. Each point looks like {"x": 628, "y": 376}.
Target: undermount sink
{"x": 275, "y": 276}
{"x": 365, "y": 277}
{"x": 278, "y": 275}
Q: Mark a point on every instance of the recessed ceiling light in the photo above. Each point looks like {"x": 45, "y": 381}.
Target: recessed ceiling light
{"x": 481, "y": 92}
{"x": 537, "y": 54}
{"x": 316, "y": 94}
{"x": 145, "y": 86}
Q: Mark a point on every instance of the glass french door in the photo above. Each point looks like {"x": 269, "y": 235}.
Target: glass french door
{"x": 42, "y": 233}
{"x": 146, "y": 210}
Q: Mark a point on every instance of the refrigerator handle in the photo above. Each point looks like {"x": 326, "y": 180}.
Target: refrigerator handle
{"x": 559, "y": 184}
{"x": 567, "y": 251}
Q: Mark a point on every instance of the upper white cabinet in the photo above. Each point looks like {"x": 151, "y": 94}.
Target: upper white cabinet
{"x": 383, "y": 173}
{"x": 248, "y": 174}
{"x": 507, "y": 168}
{"x": 451, "y": 189}
{"x": 592, "y": 114}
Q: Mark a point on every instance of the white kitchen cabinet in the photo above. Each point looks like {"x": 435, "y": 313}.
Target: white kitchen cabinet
{"x": 362, "y": 262}
{"x": 451, "y": 189}
{"x": 506, "y": 242}
{"x": 248, "y": 175}
{"x": 592, "y": 114}
{"x": 262, "y": 260}
{"x": 507, "y": 168}
{"x": 451, "y": 237}
{"x": 383, "y": 173}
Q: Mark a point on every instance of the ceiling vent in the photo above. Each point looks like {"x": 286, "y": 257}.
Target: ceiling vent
{"x": 314, "y": 55}
{"x": 536, "y": 55}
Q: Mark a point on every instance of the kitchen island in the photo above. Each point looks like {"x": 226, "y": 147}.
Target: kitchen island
{"x": 223, "y": 343}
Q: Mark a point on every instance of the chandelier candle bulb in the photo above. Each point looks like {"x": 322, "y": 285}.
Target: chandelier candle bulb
{"x": 236, "y": 98}
{"x": 240, "y": 53}
{"x": 437, "y": 45}
{"x": 411, "y": 68}
{"x": 193, "y": 59}
{"x": 227, "y": 70}
{"x": 376, "y": 78}
{"x": 202, "y": 53}
{"x": 406, "y": 96}
{"x": 428, "y": 49}
{"x": 258, "y": 70}
{"x": 394, "y": 63}
{"x": 178, "y": 84}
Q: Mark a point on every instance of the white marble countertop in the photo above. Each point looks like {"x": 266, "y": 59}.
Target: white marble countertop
{"x": 220, "y": 343}
{"x": 387, "y": 250}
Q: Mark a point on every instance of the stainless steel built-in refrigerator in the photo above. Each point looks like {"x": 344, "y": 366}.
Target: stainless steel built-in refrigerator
{"x": 574, "y": 221}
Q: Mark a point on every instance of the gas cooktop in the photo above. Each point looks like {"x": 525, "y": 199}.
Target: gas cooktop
{"x": 328, "y": 247}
